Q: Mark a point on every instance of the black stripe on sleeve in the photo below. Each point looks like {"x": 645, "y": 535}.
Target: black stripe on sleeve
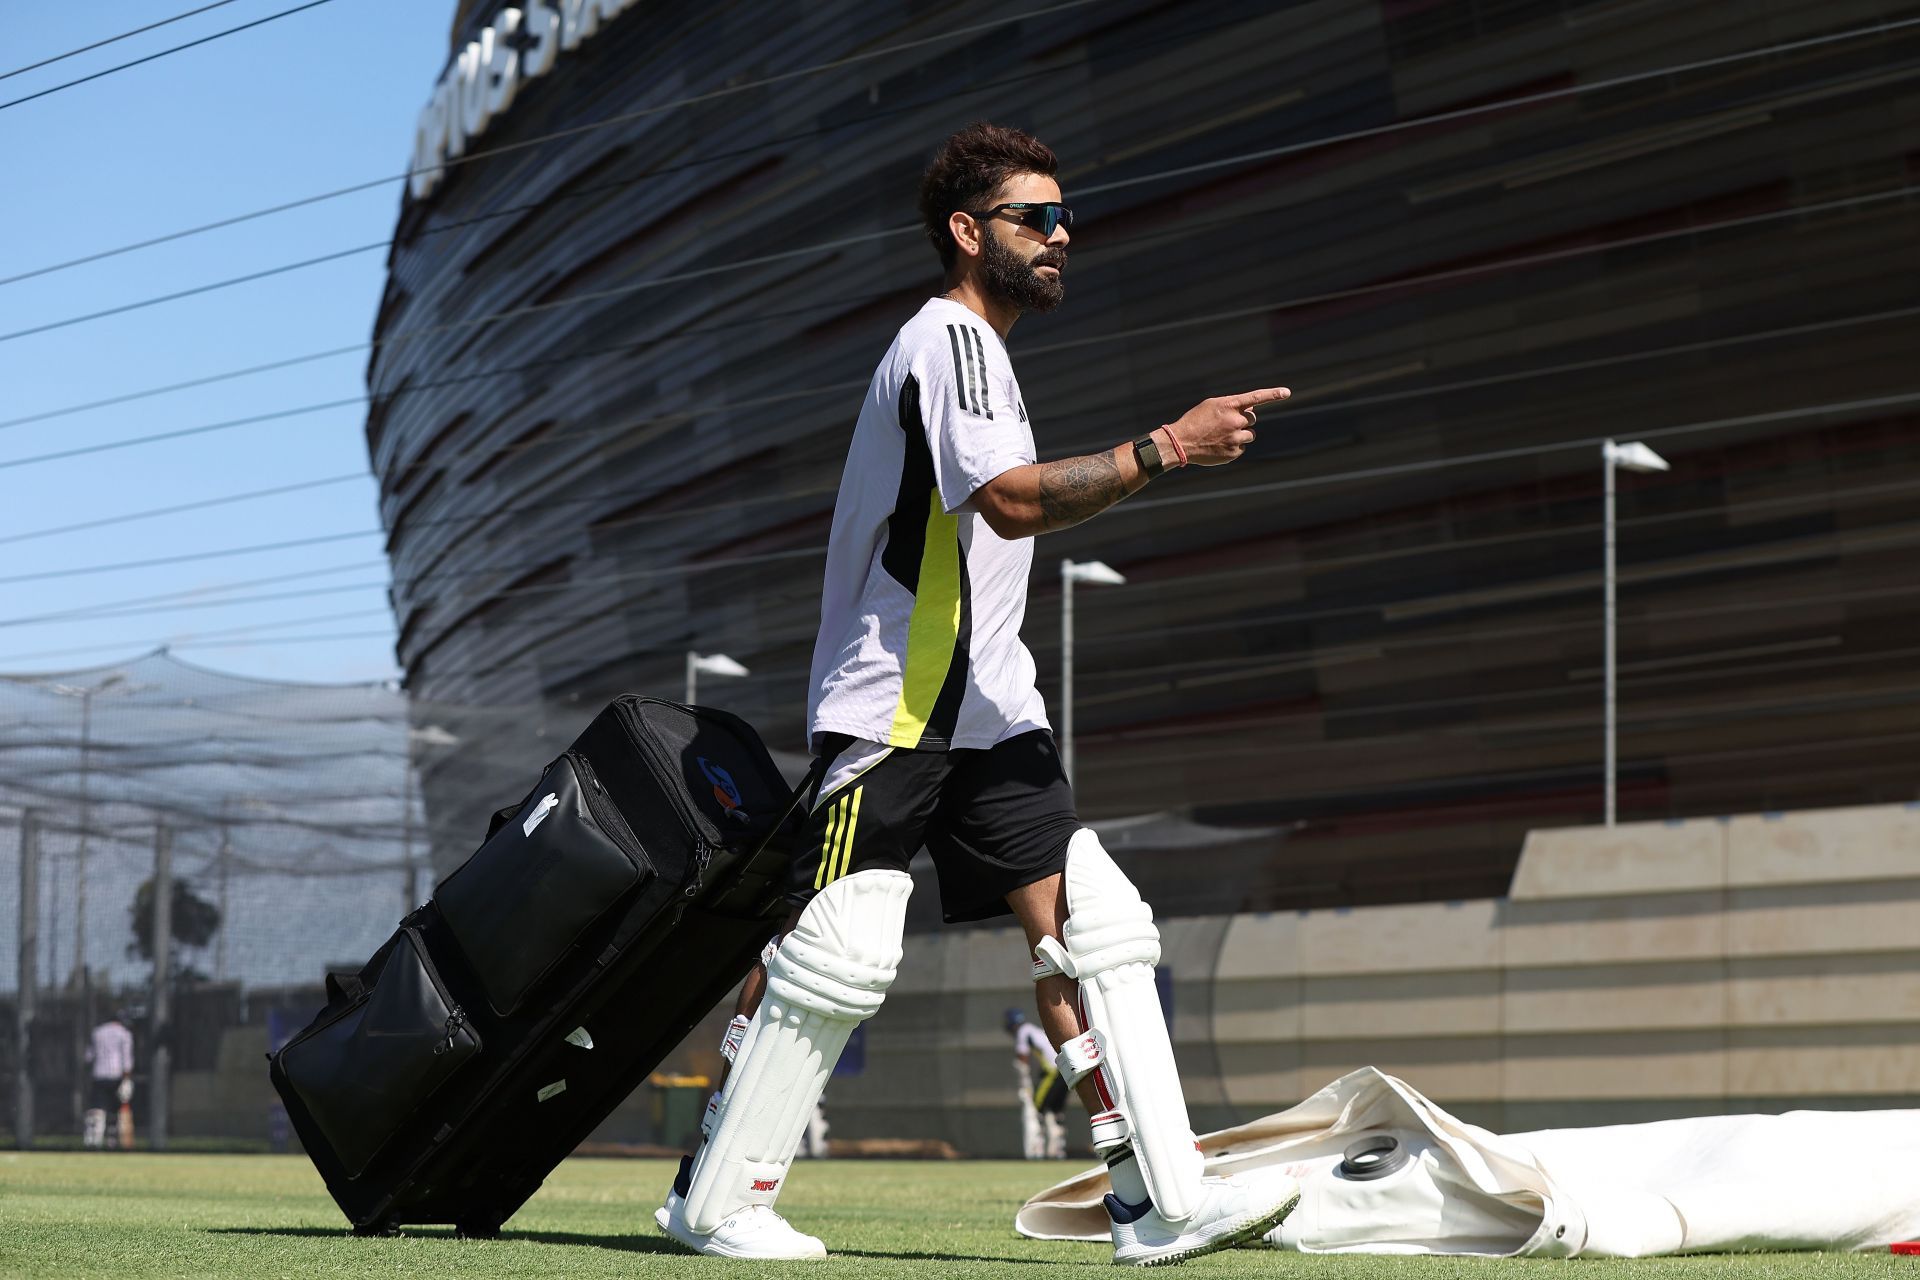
{"x": 973, "y": 385}
{"x": 959, "y": 378}
{"x": 983, "y": 407}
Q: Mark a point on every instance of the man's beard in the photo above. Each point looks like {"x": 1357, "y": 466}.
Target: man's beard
{"x": 1014, "y": 280}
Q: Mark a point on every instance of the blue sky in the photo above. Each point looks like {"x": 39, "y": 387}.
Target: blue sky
{"x": 311, "y": 102}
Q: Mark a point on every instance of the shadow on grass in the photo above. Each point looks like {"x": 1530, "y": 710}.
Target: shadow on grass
{"x": 911, "y": 1256}
{"x": 626, "y": 1244}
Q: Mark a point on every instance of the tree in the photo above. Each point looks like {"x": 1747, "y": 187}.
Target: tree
{"x": 195, "y": 920}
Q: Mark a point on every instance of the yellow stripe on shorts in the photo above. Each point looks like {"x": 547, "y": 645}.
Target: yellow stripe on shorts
{"x": 846, "y": 834}
{"x": 827, "y": 844}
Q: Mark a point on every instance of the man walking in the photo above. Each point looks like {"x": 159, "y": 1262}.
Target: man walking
{"x": 924, "y": 708}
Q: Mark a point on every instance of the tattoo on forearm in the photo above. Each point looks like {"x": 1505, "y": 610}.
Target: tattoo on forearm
{"x": 1076, "y": 489}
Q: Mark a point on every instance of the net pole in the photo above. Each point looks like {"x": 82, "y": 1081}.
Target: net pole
{"x": 162, "y": 979}
{"x": 23, "y": 1010}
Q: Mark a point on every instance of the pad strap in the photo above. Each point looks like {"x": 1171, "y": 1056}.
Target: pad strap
{"x": 1110, "y": 1133}
{"x": 1049, "y": 958}
{"x": 736, "y": 1035}
{"x": 1080, "y": 1056}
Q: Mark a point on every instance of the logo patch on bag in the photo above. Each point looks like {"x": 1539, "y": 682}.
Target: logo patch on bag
{"x": 725, "y": 789}
{"x": 553, "y": 1090}
{"x": 548, "y": 803}
{"x": 765, "y": 1184}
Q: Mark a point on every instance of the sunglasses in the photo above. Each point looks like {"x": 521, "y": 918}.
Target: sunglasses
{"x": 1040, "y": 216}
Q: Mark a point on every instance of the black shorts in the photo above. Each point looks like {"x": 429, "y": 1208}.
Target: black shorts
{"x": 994, "y": 820}
{"x": 104, "y": 1095}
{"x": 1050, "y": 1091}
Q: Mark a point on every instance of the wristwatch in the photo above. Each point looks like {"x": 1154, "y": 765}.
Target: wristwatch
{"x": 1147, "y": 452}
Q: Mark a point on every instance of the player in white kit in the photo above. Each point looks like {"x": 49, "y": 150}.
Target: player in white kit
{"x": 923, "y": 705}
{"x": 1041, "y": 1091}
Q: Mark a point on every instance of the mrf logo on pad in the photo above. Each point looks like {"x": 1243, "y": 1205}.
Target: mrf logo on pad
{"x": 765, "y": 1184}
{"x": 725, "y": 790}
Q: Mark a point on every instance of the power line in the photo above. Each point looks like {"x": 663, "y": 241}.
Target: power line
{"x": 706, "y": 158}
{"x": 452, "y": 379}
{"x": 472, "y": 156}
{"x": 114, "y": 608}
{"x": 1295, "y": 410}
{"x": 87, "y": 48}
{"x": 1548, "y": 95}
{"x": 1357, "y": 648}
{"x": 218, "y": 35}
{"x": 1880, "y": 28}
{"x": 818, "y": 491}
{"x": 1404, "y": 282}
{"x": 201, "y": 505}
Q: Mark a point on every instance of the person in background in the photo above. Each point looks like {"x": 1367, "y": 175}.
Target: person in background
{"x": 1043, "y": 1095}
{"x": 110, "y": 1053}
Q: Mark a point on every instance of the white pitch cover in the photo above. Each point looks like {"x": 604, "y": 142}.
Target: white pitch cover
{"x": 1113, "y": 946}
{"x": 1829, "y": 1180}
{"x": 829, "y": 975}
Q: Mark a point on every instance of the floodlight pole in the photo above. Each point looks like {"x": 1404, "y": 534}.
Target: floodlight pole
{"x": 1092, "y": 571}
{"x": 226, "y": 874}
{"x": 23, "y": 1010}
{"x": 1612, "y": 674}
{"x": 410, "y": 890}
{"x": 1634, "y": 456}
{"x": 1066, "y": 669}
{"x": 158, "y": 1030}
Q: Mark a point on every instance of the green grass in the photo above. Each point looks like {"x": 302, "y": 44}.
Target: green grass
{"x": 265, "y": 1217}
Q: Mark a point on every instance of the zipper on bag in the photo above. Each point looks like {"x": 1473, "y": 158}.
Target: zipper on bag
{"x": 604, "y": 811}
{"x": 456, "y": 1020}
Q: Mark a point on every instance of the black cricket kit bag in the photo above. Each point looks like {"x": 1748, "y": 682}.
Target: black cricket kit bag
{"x": 603, "y": 917}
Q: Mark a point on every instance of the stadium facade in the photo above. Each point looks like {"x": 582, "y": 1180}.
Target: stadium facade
{"x": 629, "y": 318}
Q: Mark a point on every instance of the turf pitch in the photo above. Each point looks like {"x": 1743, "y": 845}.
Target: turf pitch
{"x": 264, "y": 1217}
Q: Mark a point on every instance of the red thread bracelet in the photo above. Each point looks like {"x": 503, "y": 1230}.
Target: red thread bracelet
{"x": 1174, "y": 440}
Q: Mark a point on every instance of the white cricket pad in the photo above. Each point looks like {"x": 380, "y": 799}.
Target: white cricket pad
{"x": 829, "y": 975}
{"x": 1112, "y": 946}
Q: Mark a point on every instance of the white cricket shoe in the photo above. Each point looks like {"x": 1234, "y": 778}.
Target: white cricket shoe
{"x": 1231, "y": 1212}
{"x": 753, "y": 1232}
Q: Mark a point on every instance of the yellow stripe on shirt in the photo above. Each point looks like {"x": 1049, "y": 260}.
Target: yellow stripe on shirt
{"x": 934, "y": 628}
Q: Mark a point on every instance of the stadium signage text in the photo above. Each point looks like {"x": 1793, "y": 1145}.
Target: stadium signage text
{"x": 479, "y": 84}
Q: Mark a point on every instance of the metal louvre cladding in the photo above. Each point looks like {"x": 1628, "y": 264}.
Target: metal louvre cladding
{"x": 1463, "y": 233}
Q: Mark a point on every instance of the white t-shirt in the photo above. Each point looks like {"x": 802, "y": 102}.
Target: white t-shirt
{"x": 919, "y": 643}
{"x": 1029, "y": 1039}
{"x": 111, "y": 1051}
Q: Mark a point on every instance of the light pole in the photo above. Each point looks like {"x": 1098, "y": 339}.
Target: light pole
{"x": 1094, "y": 573}
{"x": 1636, "y": 457}
{"x": 84, "y": 1023}
{"x": 429, "y": 735}
{"x": 85, "y": 693}
{"x": 713, "y": 664}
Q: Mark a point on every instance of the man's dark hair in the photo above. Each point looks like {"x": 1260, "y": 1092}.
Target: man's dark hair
{"x": 969, "y": 170}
